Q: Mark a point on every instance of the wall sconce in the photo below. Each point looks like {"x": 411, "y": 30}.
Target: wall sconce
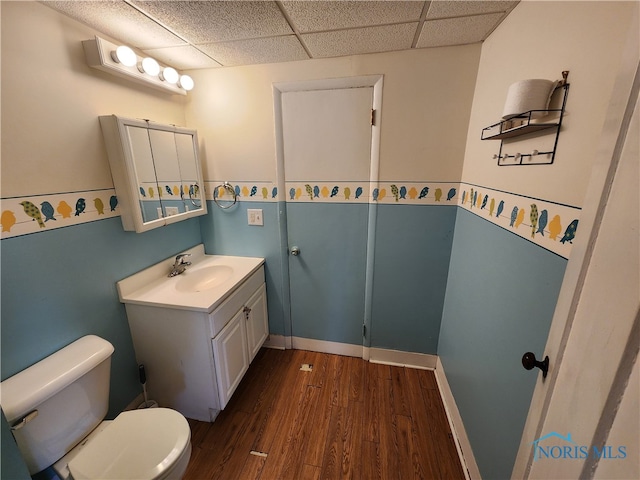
{"x": 122, "y": 61}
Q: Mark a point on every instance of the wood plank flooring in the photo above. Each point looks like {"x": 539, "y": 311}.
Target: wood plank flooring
{"x": 345, "y": 419}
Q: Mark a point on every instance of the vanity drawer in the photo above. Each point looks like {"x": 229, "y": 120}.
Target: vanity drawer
{"x": 221, "y": 315}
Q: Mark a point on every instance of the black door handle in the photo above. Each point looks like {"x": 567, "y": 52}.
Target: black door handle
{"x": 529, "y": 361}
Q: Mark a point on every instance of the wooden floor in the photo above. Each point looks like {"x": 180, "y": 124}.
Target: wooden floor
{"x": 346, "y": 418}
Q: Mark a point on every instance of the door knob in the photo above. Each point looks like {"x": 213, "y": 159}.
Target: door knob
{"x": 295, "y": 251}
{"x": 529, "y": 361}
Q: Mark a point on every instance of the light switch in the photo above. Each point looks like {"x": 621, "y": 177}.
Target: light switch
{"x": 255, "y": 216}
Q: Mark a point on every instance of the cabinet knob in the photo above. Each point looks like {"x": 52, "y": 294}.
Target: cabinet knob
{"x": 295, "y": 251}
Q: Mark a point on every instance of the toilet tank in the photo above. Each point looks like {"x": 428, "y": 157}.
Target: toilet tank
{"x": 55, "y": 403}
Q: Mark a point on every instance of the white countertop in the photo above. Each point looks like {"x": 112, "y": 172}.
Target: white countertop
{"x": 152, "y": 286}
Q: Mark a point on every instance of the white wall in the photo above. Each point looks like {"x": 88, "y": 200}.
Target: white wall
{"x": 540, "y": 39}
{"x": 426, "y": 103}
{"x": 51, "y": 100}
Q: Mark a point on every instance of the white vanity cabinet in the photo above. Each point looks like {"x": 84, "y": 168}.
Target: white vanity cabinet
{"x": 238, "y": 342}
{"x": 195, "y": 360}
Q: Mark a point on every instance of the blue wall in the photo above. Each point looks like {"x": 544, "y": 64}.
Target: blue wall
{"x": 446, "y": 281}
{"x": 413, "y": 246}
{"x": 60, "y": 285}
{"x": 412, "y": 252}
{"x": 501, "y": 295}
{"x": 226, "y": 232}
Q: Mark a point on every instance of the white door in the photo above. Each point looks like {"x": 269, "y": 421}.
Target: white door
{"x": 583, "y": 422}
{"x": 329, "y": 157}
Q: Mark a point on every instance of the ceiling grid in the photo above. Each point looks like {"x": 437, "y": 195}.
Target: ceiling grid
{"x": 209, "y": 34}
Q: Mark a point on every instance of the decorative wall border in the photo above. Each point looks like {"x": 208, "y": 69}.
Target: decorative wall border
{"x": 392, "y": 192}
{"x": 245, "y": 191}
{"x": 550, "y": 225}
{"x": 38, "y": 213}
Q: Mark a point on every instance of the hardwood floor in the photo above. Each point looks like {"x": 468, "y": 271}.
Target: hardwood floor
{"x": 346, "y": 418}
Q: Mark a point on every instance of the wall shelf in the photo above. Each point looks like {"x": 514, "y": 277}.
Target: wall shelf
{"x": 528, "y": 123}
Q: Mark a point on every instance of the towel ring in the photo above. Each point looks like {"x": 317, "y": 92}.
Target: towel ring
{"x": 229, "y": 188}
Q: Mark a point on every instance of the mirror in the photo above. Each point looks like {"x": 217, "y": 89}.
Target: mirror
{"x": 156, "y": 172}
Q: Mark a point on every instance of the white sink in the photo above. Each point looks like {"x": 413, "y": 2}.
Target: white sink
{"x": 202, "y": 286}
{"x": 204, "y": 278}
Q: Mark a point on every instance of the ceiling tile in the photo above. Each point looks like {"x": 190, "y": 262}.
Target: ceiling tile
{"x": 183, "y": 58}
{"x": 215, "y": 21}
{"x": 457, "y": 31}
{"x": 256, "y": 50}
{"x": 459, "y": 8}
{"x": 120, "y": 21}
{"x": 360, "y": 40}
{"x": 322, "y": 15}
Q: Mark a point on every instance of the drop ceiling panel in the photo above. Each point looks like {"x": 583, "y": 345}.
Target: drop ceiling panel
{"x": 360, "y": 40}
{"x": 120, "y": 21}
{"x": 183, "y": 58}
{"x": 256, "y": 50}
{"x": 457, "y": 31}
{"x": 446, "y": 9}
{"x": 206, "y": 22}
{"x": 320, "y": 16}
{"x": 205, "y": 34}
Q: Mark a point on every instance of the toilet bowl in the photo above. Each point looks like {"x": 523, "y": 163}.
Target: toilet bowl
{"x": 56, "y": 410}
{"x": 138, "y": 444}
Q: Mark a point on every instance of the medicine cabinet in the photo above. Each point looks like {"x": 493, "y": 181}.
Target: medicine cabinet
{"x": 155, "y": 170}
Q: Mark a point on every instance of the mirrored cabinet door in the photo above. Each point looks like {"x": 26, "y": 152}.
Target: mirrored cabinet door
{"x": 148, "y": 195}
{"x": 156, "y": 172}
{"x": 192, "y": 191}
{"x": 163, "y": 148}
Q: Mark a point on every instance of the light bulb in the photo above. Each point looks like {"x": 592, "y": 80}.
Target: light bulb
{"x": 149, "y": 66}
{"x": 169, "y": 75}
{"x": 186, "y": 82}
{"x": 125, "y": 56}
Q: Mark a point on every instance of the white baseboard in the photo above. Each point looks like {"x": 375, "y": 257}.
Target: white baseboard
{"x": 402, "y": 359}
{"x": 324, "y": 346}
{"x": 463, "y": 445}
{"x": 276, "y": 341}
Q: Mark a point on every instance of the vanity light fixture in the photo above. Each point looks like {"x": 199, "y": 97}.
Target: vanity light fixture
{"x": 149, "y": 66}
{"x": 169, "y": 75}
{"x": 124, "y": 55}
{"x": 186, "y": 82}
{"x": 122, "y": 61}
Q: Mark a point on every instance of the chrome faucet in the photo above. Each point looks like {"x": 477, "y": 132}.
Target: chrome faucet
{"x": 180, "y": 265}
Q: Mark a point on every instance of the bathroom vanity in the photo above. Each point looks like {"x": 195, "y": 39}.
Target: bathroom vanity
{"x": 196, "y": 333}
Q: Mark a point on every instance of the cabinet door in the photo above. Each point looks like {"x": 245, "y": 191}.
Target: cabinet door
{"x": 257, "y": 321}
{"x": 167, "y": 168}
{"x": 231, "y": 356}
{"x": 190, "y": 175}
{"x": 144, "y": 172}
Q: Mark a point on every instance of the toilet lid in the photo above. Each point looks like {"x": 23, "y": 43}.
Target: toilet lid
{"x": 138, "y": 444}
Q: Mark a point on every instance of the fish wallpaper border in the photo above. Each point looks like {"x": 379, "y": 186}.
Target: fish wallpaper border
{"x": 550, "y": 225}
{"x": 387, "y": 192}
{"x": 40, "y": 213}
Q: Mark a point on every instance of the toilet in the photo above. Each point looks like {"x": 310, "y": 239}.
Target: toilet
{"x": 56, "y": 410}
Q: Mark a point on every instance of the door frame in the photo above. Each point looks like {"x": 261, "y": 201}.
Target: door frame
{"x": 375, "y": 81}
{"x": 624, "y": 96}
